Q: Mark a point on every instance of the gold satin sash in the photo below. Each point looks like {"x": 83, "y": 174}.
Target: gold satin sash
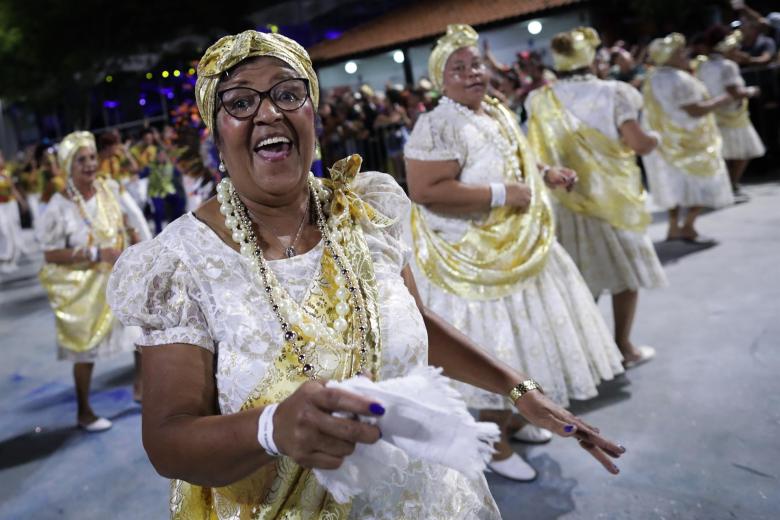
{"x": 734, "y": 118}
{"x": 609, "y": 185}
{"x": 493, "y": 256}
{"x": 284, "y": 490}
{"x": 77, "y": 293}
{"x": 695, "y": 151}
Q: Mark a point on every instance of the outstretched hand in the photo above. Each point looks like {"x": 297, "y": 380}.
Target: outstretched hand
{"x": 542, "y": 412}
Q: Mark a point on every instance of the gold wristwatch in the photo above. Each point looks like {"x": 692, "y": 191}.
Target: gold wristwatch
{"x": 523, "y": 388}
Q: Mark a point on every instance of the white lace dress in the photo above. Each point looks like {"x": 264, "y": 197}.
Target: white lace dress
{"x": 11, "y": 239}
{"x": 550, "y": 328}
{"x": 187, "y": 286}
{"x": 718, "y": 73}
{"x": 671, "y": 186}
{"x": 62, "y": 227}
{"x": 611, "y": 260}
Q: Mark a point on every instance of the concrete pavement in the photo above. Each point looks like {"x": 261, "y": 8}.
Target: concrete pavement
{"x": 701, "y": 422}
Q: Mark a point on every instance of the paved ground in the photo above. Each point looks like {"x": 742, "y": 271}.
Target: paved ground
{"x": 701, "y": 423}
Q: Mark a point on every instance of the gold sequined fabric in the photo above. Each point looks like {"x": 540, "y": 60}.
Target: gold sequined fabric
{"x": 493, "y": 257}
{"x": 285, "y": 490}
{"x": 696, "y": 151}
{"x": 609, "y": 184}
{"x": 661, "y": 49}
{"x": 229, "y": 51}
{"x": 458, "y": 36}
{"x": 585, "y": 41}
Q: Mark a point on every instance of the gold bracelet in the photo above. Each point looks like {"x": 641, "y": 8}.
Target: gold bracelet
{"x": 523, "y": 388}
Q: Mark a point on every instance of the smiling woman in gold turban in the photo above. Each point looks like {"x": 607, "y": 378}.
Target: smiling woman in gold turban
{"x": 83, "y": 231}
{"x": 485, "y": 254}
{"x": 592, "y": 126}
{"x": 687, "y": 169}
{"x": 281, "y": 282}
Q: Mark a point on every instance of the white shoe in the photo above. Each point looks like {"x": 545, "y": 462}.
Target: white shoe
{"x": 514, "y": 468}
{"x": 646, "y": 353}
{"x": 531, "y": 434}
{"x": 100, "y": 424}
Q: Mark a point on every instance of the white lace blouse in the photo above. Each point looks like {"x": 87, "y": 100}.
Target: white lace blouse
{"x": 674, "y": 89}
{"x": 187, "y": 286}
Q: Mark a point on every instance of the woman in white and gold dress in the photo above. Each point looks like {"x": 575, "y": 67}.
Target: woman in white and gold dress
{"x": 11, "y": 239}
{"x": 591, "y": 126}
{"x": 282, "y": 281}
{"x": 741, "y": 142}
{"x": 493, "y": 268}
{"x": 82, "y": 232}
{"x": 687, "y": 170}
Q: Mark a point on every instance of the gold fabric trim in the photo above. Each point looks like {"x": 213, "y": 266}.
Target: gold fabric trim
{"x": 77, "y": 293}
{"x": 734, "y": 118}
{"x": 609, "y": 185}
{"x": 493, "y": 257}
{"x": 695, "y": 151}
{"x": 284, "y": 490}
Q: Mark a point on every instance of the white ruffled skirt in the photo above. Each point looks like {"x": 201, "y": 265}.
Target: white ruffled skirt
{"x": 550, "y": 329}
{"x": 741, "y": 143}
{"x": 672, "y": 187}
{"x": 611, "y": 260}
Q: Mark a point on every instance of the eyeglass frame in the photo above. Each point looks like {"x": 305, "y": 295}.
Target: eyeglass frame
{"x": 263, "y": 95}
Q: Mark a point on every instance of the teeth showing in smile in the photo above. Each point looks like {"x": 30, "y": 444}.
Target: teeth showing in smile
{"x": 272, "y": 140}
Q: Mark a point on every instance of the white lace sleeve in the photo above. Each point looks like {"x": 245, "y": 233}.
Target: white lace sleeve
{"x": 387, "y": 245}
{"x": 52, "y": 231}
{"x": 434, "y": 139}
{"x": 730, "y": 75}
{"x": 685, "y": 92}
{"x": 628, "y": 102}
{"x": 152, "y": 288}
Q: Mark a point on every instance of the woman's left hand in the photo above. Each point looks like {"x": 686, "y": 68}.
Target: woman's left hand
{"x": 541, "y": 411}
{"x": 560, "y": 177}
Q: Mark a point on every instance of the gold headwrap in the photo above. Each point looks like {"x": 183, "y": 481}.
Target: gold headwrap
{"x": 70, "y": 145}
{"x": 730, "y": 42}
{"x": 585, "y": 41}
{"x": 229, "y": 51}
{"x": 458, "y": 35}
{"x": 661, "y": 49}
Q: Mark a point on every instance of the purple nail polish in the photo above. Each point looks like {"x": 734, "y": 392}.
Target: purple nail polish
{"x": 377, "y": 409}
{"x": 568, "y": 428}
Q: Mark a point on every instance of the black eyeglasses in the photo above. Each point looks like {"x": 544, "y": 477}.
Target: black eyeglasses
{"x": 243, "y": 102}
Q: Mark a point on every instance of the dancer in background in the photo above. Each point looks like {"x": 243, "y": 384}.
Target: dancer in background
{"x": 83, "y": 231}
{"x": 11, "y": 241}
{"x": 687, "y": 170}
{"x": 741, "y": 142}
{"x": 591, "y": 126}
{"x": 485, "y": 254}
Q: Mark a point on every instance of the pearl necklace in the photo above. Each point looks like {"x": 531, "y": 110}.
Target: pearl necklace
{"x": 506, "y": 147}
{"x": 300, "y": 329}
{"x": 76, "y": 196}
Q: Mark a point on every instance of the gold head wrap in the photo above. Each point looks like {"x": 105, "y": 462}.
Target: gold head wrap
{"x": 730, "y": 42}
{"x": 70, "y": 145}
{"x": 585, "y": 41}
{"x": 229, "y": 51}
{"x": 458, "y": 35}
{"x": 661, "y": 49}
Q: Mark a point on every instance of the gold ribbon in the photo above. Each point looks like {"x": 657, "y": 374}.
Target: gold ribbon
{"x": 510, "y": 246}
{"x": 695, "y": 151}
{"x": 78, "y": 292}
{"x": 739, "y": 118}
{"x": 284, "y": 490}
{"x": 609, "y": 185}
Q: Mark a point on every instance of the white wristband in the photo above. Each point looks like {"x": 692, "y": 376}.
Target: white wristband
{"x": 93, "y": 253}
{"x": 497, "y": 194}
{"x": 265, "y": 430}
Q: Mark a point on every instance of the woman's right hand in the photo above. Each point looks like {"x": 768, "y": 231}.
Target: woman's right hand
{"x": 306, "y": 430}
{"x": 109, "y": 255}
{"x": 518, "y": 195}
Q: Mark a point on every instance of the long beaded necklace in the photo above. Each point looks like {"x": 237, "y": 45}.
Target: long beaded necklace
{"x": 76, "y": 196}
{"x": 506, "y": 146}
{"x": 300, "y": 330}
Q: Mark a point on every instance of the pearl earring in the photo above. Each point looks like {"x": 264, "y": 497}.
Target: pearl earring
{"x": 222, "y": 168}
